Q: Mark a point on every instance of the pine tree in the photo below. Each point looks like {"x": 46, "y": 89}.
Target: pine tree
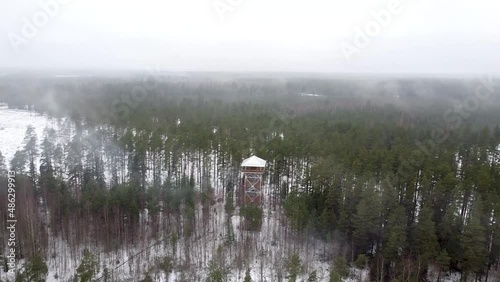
{"x": 3, "y": 167}
{"x": 425, "y": 235}
{"x": 47, "y": 156}
{"x": 248, "y": 277}
{"x": 449, "y": 232}
{"x": 340, "y": 266}
{"x": 36, "y": 269}
{"x": 443, "y": 262}
{"x": 296, "y": 209}
{"x": 18, "y": 162}
{"x": 474, "y": 243}
{"x": 367, "y": 221}
{"x": 88, "y": 267}
{"x": 313, "y": 277}
{"x": 426, "y": 243}
{"x": 166, "y": 265}
{"x": 253, "y": 216}
{"x": 229, "y": 206}
{"x": 335, "y": 277}
{"x": 360, "y": 261}
{"x": 397, "y": 240}
{"x": 30, "y": 147}
{"x": 294, "y": 267}
{"x": 216, "y": 273}
{"x": 20, "y": 277}
{"x": 229, "y": 231}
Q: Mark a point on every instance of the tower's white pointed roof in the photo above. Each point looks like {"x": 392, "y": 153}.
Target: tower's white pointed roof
{"x": 254, "y": 161}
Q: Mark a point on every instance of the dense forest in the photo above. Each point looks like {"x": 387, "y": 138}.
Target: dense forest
{"x": 397, "y": 177}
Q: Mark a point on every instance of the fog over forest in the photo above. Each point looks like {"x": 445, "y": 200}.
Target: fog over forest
{"x": 137, "y": 177}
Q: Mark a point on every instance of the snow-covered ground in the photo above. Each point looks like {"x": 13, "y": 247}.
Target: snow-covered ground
{"x": 266, "y": 247}
{"x": 13, "y": 125}
{"x": 266, "y": 253}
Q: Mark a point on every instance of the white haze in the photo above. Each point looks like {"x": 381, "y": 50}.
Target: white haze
{"x": 442, "y": 37}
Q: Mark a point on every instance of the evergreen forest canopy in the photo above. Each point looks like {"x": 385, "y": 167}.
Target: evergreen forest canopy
{"x": 404, "y": 173}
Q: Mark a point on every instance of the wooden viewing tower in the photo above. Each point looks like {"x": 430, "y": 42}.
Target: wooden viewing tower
{"x": 252, "y": 170}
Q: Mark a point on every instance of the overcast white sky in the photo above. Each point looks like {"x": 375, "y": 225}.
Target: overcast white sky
{"x": 443, "y": 36}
